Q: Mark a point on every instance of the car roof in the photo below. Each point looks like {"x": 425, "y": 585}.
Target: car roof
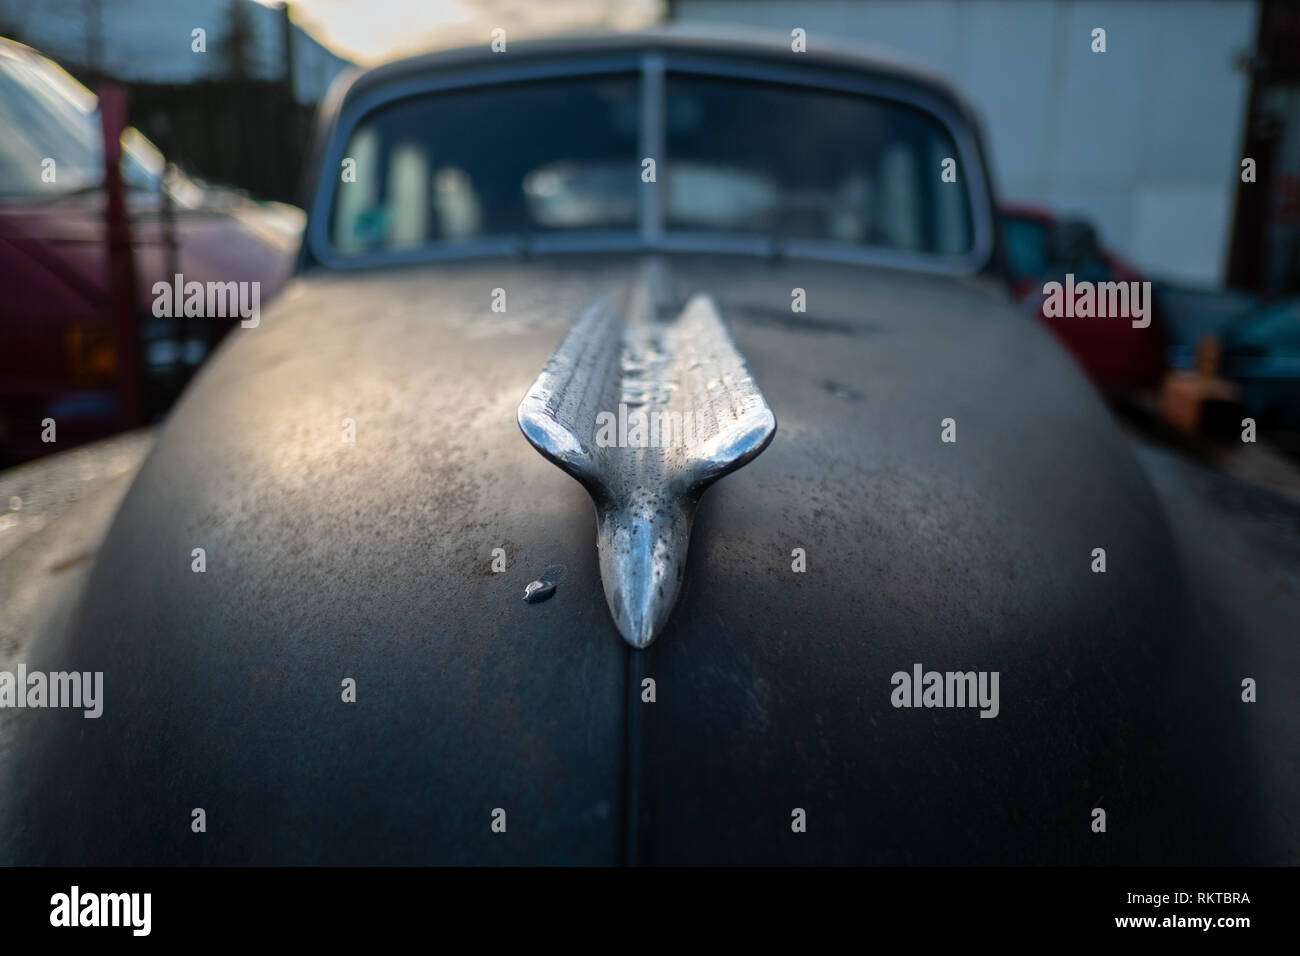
{"x": 825, "y": 52}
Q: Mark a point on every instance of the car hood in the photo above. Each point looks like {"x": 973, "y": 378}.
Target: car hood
{"x": 371, "y": 561}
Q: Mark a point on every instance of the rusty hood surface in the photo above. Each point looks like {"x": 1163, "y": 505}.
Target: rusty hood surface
{"x": 371, "y": 560}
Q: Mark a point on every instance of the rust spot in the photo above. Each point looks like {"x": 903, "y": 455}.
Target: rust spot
{"x": 71, "y": 562}
{"x": 269, "y": 675}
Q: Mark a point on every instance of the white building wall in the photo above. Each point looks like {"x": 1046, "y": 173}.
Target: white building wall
{"x": 1143, "y": 139}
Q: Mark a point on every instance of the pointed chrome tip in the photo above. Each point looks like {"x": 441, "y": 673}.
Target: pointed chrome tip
{"x": 642, "y": 550}
{"x": 638, "y": 631}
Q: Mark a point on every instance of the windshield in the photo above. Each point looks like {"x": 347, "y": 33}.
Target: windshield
{"x": 810, "y": 164}
{"x": 562, "y": 156}
{"x": 48, "y": 115}
{"x": 491, "y": 161}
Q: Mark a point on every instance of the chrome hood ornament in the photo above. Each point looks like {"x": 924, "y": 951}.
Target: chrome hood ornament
{"x": 646, "y": 414}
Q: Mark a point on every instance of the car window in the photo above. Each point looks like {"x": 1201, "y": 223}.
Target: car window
{"x": 48, "y": 115}
{"x": 1025, "y": 242}
{"x": 503, "y": 160}
{"x": 740, "y": 157}
{"x": 44, "y": 120}
{"x": 795, "y": 162}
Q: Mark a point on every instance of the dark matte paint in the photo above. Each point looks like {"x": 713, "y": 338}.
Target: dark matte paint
{"x": 371, "y": 560}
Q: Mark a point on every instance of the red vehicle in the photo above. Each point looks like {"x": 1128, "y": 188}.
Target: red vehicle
{"x": 59, "y": 358}
{"x": 1040, "y": 248}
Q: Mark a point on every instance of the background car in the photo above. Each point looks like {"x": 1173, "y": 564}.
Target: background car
{"x": 1122, "y": 360}
{"x": 56, "y": 315}
{"x": 1261, "y": 353}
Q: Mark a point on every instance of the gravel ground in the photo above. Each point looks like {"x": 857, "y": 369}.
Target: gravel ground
{"x": 1240, "y": 548}
{"x": 54, "y": 512}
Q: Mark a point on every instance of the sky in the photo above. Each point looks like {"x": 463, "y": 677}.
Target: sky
{"x": 370, "y": 31}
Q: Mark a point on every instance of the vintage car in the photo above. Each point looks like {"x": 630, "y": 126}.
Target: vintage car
{"x": 56, "y": 316}
{"x": 453, "y": 558}
{"x": 1124, "y": 362}
{"x": 1262, "y": 355}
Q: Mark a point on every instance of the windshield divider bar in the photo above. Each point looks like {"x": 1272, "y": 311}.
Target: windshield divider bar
{"x": 652, "y": 146}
